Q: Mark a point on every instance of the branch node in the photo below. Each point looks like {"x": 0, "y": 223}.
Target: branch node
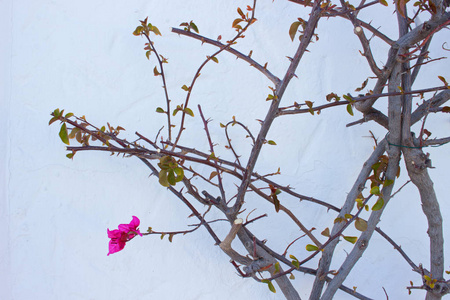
{"x": 225, "y": 245}
{"x": 358, "y": 30}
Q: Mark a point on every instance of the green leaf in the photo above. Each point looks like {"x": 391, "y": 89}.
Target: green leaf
{"x": 361, "y": 224}
{"x": 292, "y": 277}
{"x": 68, "y": 115}
{"x": 339, "y": 220}
{"x": 270, "y": 142}
{"x": 293, "y": 29}
{"x": 184, "y": 87}
{"x": 163, "y": 178}
{"x": 350, "y": 109}
{"x": 443, "y": 80}
{"x": 375, "y": 190}
{"x": 348, "y": 98}
{"x": 138, "y": 30}
{"x": 296, "y": 263}
{"x": 388, "y": 182}
{"x": 276, "y": 202}
{"x": 277, "y": 267}
{"x": 53, "y": 120}
{"x": 63, "y": 134}
{"x": 376, "y": 165}
{"x": 70, "y": 155}
{"x": 310, "y": 106}
{"x": 326, "y": 232}
{"x": 180, "y": 174}
{"x": 189, "y": 111}
{"x": 193, "y": 26}
{"x": 310, "y": 247}
{"x": 57, "y": 113}
{"x": 160, "y": 110}
{"x": 384, "y": 2}
{"x": 269, "y": 283}
{"x": 214, "y": 59}
{"x": 78, "y": 137}
{"x": 293, "y": 257}
{"x": 156, "y": 30}
{"x": 179, "y": 171}
{"x": 74, "y": 132}
{"x": 155, "y": 72}
{"x": 171, "y": 237}
{"x": 359, "y": 202}
{"x": 351, "y": 239}
{"x": 212, "y": 156}
{"x": 148, "y": 54}
{"x": 171, "y": 177}
{"x": 348, "y": 216}
{"x": 379, "y": 204}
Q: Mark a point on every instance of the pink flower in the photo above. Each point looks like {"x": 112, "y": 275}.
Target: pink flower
{"x": 120, "y": 236}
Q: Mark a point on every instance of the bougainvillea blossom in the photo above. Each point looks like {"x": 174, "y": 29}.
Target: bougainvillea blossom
{"x": 119, "y": 237}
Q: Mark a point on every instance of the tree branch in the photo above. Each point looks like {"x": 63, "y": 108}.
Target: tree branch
{"x": 273, "y": 110}
{"x": 231, "y": 50}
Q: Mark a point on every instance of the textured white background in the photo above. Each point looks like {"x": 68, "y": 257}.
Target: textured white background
{"x": 81, "y": 56}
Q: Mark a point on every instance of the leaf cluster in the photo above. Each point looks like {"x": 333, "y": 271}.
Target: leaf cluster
{"x": 171, "y": 172}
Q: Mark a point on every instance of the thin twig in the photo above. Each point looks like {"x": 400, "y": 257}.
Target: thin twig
{"x": 211, "y": 148}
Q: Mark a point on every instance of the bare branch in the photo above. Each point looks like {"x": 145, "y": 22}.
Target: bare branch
{"x": 211, "y": 148}
{"x": 231, "y": 50}
{"x": 197, "y": 74}
{"x": 273, "y": 110}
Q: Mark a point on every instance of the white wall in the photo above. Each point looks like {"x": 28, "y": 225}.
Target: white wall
{"x": 5, "y": 97}
{"x": 81, "y": 56}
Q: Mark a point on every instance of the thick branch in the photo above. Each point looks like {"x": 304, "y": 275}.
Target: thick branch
{"x": 358, "y": 186}
{"x": 268, "y": 260}
{"x": 434, "y": 102}
{"x": 416, "y": 163}
{"x": 226, "y": 244}
{"x": 395, "y": 119}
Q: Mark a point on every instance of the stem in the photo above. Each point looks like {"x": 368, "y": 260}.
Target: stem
{"x": 197, "y": 74}
{"x": 166, "y": 92}
{"x": 273, "y": 110}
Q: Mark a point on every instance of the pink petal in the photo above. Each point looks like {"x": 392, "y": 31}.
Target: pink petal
{"x": 115, "y": 246}
{"x": 114, "y": 233}
{"x": 135, "y": 222}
